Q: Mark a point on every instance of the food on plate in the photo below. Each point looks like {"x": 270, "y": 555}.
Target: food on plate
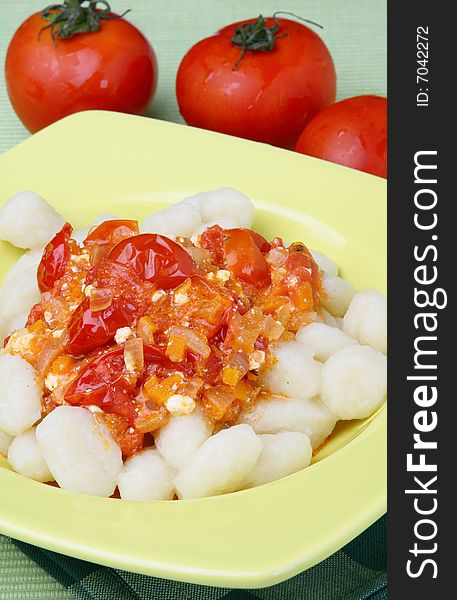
{"x": 352, "y": 132}
{"x": 24, "y": 455}
{"x": 146, "y": 476}
{"x": 354, "y": 382}
{"x": 262, "y": 79}
{"x": 78, "y": 56}
{"x": 80, "y": 451}
{"x": 179, "y": 358}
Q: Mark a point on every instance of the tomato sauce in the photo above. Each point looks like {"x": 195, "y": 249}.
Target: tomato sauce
{"x": 126, "y": 321}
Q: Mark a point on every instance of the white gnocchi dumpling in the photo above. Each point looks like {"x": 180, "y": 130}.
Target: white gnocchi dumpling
{"x": 79, "y": 450}
{"x": 366, "y": 319}
{"x": 224, "y": 203}
{"x": 146, "y": 476}
{"x": 339, "y": 293}
{"x": 20, "y": 395}
{"x": 354, "y": 382}
{"x": 19, "y": 292}
{"x": 326, "y": 265}
{"x": 181, "y": 437}
{"x": 175, "y": 220}
{"x": 221, "y": 464}
{"x": 282, "y": 454}
{"x": 5, "y": 442}
{"x": 296, "y": 373}
{"x": 276, "y": 414}
{"x": 323, "y": 339}
{"x": 28, "y": 221}
{"x": 326, "y": 318}
{"x": 26, "y": 458}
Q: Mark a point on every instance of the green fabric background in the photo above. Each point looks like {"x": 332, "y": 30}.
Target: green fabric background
{"x": 355, "y": 32}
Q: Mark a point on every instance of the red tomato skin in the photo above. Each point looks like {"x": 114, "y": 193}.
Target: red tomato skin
{"x": 352, "y": 133}
{"x": 110, "y": 233}
{"x": 271, "y": 95}
{"x": 114, "y": 69}
{"x": 89, "y": 330}
{"x": 244, "y": 258}
{"x": 55, "y": 259}
{"x": 155, "y": 258}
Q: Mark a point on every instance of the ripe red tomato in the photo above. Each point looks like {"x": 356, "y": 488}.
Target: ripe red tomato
{"x": 112, "y": 68}
{"x": 352, "y": 132}
{"x": 271, "y": 94}
{"x": 110, "y": 233}
{"x": 90, "y": 329}
{"x": 55, "y": 259}
{"x": 155, "y": 258}
{"x": 244, "y": 258}
{"x": 105, "y": 381}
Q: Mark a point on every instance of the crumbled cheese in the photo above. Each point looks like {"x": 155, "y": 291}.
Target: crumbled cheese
{"x": 179, "y": 405}
{"x": 195, "y": 239}
{"x": 179, "y": 298}
{"x": 57, "y": 333}
{"x": 223, "y": 275}
{"x": 293, "y": 280}
{"x": 20, "y": 341}
{"x": 48, "y": 317}
{"x": 52, "y": 381}
{"x": 122, "y": 335}
{"x": 88, "y": 290}
{"x": 158, "y": 295}
{"x": 210, "y": 276}
{"x": 256, "y": 359}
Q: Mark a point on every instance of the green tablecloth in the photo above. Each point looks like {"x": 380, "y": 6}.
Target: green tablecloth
{"x": 355, "y": 32}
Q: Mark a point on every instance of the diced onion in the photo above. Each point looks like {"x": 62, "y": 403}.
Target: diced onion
{"x": 97, "y": 254}
{"x": 216, "y": 403}
{"x": 100, "y": 298}
{"x": 50, "y": 351}
{"x": 272, "y": 329}
{"x": 134, "y": 355}
{"x": 277, "y": 257}
{"x": 151, "y": 418}
{"x": 201, "y": 256}
{"x": 237, "y": 366}
{"x": 146, "y": 329}
{"x": 192, "y": 340}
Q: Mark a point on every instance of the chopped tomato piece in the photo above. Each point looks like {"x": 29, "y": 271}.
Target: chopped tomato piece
{"x": 55, "y": 259}
{"x": 155, "y": 258}
{"x": 89, "y": 329}
{"x": 110, "y": 233}
{"x": 244, "y": 258}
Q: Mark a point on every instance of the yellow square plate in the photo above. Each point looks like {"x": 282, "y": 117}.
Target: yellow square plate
{"x": 97, "y": 162}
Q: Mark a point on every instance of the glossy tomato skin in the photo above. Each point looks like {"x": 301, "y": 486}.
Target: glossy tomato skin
{"x": 271, "y": 95}
{"x": 114, "y": 68}
{"x": 110, "y": 233}
{"x": 155, "y": 258}
{"x": 55, "y": 259}
{"x": 244, "y": 258}
{"x": 352, "y": 132}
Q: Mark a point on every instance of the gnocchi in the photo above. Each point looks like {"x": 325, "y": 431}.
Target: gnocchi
{"x": 215, "y": 363}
